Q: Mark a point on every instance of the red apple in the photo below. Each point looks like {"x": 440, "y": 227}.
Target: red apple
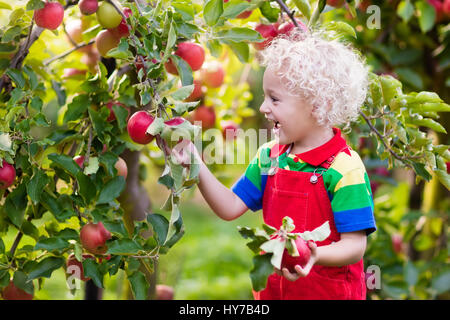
{"x": 336, "y": 3}
{"x": 105, "y": 41}
{"x": 88, "y": 7}
{"x": 197, "y": 93}
{"x": 122, "y": 29}
{"x": 11, "y": 292}
{"x": 438, "y": 8}
{"x": 7, "y": 175}
{"x": 110, "y": 105}
{"x": 213, "y": 75}
{"x": 72, "y": 261}
{"x": 290, "y": 262}
{"x": 191, "y": 52}
{"x": 267, "y": 31}
{"x": 137, "y": 127}
{"x": 206, "y": 115}
{"x": 446, "y": 7}
{"x": 229, "y": 130}
{"x": 164, "y": 292}
{"x": 73, "y": 73}
{"x": 121, "y": 166}
{"x": 175, "y": 121}
{"x": 93, "y": 238}
{"x": 79, "y": 160}
{"x": 397, "y": 242}
{"x": 287, "y": 27}
{"x": 50, "y": 16}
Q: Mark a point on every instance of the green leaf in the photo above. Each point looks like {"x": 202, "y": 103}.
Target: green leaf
{"x": 212, "y": 11}
{"x": 121, "y": 51}
{"x": 304, "y": 7}
{"x": 87, "y": 188}
{"x": 262, "y": 269}
{"x": 51, "y": 244}
{"x": 16, "y": 203}
{"x": 390, "y": 87}
{"x": 160, "y": 226}
{"x": 99, "y": 121}
{"x": 4, "y": 5}
{"x": 60, "y": 92}
{"x": 2, "y": 246}
{"x": 112, "y": 190}
{"x": 427, "y": 15}
{"x": 237, "y": 34}
{"x": 121, "y": 116}
{"x": 156, "y": 127}
{"x": 429, "y": 123}
{"x": 184, "y": 70}
{"x": 91, "y": 270}
{"x": 233, "y": 8}
{"x": 275, "y": 246}
{"x": 11, "y": 33}
{"x": 123, "y": 247}
{"x": 77, "y": 107}
{"x": 411, "y": 274}
{"x": 269, "y": 12}
{"x": 20, "y": 280}
{"x": 214, "y": 47}
{"x": 405, "y": 10}
{"x": 34, "y": 5}
{"x": 36, "y": 185}
{"x": 65, "y": 162}
{"x": 342, "y": 28}
{"x": 139, "y": 285}
{"x": 17, "y": 77}
{"x": 29, "y": 229}
{"x": 241, "y": 50}
{"x": 441, "y": 283}
{"x": 410, "y": 77}
{"x": 186, "y": 11}
{"x": 183, "y": 92}
{"x": 45, "y": 267}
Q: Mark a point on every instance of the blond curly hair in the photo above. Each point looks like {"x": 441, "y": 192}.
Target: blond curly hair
{"x": 328, "y": 73}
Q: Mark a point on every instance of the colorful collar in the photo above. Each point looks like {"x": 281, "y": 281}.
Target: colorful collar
{"x": 318, "y": 155}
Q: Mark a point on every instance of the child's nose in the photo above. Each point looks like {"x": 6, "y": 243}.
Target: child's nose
{"x": 264, "y": 108}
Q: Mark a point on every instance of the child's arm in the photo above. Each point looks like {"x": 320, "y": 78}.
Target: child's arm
{"x": 224, "y": 202}
{"x": 349, "y": 250}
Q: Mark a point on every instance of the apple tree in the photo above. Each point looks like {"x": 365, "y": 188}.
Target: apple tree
{"x": 89, "y": 88}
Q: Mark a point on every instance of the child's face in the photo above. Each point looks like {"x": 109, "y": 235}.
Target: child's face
{"x": 291, "y": 115}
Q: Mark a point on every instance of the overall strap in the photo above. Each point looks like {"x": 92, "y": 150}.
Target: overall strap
{"x": 327, "y": 163}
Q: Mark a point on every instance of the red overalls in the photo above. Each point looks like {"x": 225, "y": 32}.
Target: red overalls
{"x": 291, "y": 193}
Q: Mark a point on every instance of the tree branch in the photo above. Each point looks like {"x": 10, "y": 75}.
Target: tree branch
{"x": 290, "y": 13}
{"x": 65, "y": 54}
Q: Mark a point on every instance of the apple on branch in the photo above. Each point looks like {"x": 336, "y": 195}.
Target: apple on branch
{"x": 164, "y": 292}
{"x": 50, "y": 16}
{"x": 191, "y": 52}
{"x": 213, "y": 74}
{"x": 74, "y": 263}
{"x": 268, "y": 32}
{"x": 7, "y": 175}
{"x": 105, "y": 41}
{"x": 88, "y": 7}
{"x": 206, "y": 115}
{"x": 137, "y": 127}
{"x": 197, "y": 93}
{"x": 11, "y": 292}
{"x": 107, "y": 16}
{"x": 93, "y": 237}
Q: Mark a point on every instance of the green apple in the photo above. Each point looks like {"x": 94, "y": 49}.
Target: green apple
{"x": 107, "y": 16}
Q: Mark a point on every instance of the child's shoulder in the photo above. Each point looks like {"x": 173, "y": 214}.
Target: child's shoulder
{"x": 346, "y": 162}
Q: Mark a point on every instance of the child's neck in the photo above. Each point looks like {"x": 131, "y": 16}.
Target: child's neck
{"x": 312, "y": 140}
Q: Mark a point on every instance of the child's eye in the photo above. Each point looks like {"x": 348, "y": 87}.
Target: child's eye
{"x": 273, "y": 99}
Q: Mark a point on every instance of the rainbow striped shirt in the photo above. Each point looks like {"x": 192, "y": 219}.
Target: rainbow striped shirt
{"x": 346, "y": 181}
